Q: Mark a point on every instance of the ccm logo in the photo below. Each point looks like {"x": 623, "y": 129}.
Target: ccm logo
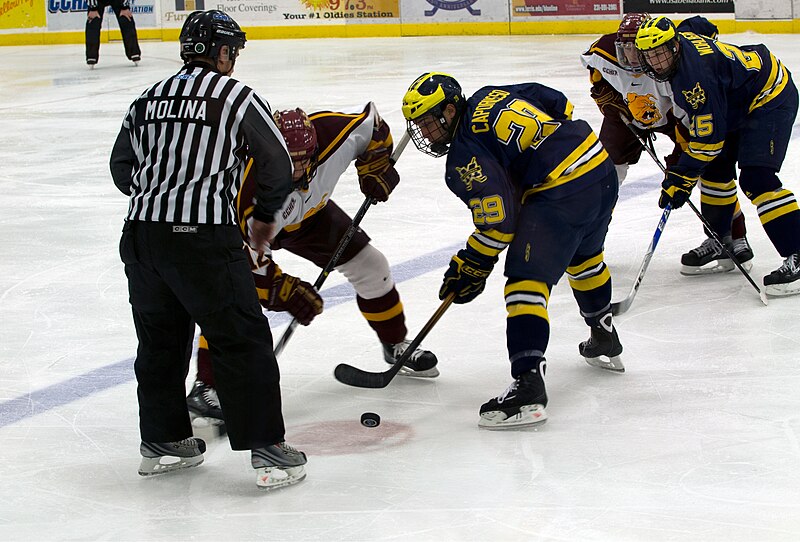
{"x": 184, "y": 229}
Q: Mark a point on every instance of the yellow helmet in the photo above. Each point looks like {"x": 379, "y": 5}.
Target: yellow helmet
{"x": 654, "y": 33}
{"x": 658, "y": 47}
{"x": 430, "y": 93}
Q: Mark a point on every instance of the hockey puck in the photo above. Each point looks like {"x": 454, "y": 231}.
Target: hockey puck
{"x": 370, "y": 419}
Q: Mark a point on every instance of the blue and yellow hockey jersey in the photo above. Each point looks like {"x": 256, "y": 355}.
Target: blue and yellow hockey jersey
{"x": 718, "y": 85}
{"x": 513, "y": 142}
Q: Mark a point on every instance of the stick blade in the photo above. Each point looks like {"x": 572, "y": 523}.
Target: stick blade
{"x": 353, "y": 376}
{"x": 621, "y": 307}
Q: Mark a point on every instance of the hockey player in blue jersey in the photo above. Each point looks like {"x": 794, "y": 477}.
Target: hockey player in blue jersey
{"x": 742, "y": 103}
{"x": 540, "y": 184}
{"x": 621, "y": 89}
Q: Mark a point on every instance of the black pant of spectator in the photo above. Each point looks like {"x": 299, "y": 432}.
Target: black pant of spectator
{"x": 179, "y": 275}
{"x": 126, "y": 26}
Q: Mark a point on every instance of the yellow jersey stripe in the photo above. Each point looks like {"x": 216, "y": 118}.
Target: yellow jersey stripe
{"x": 385, "y": 315}
{"x": 591, "y": 262}
{"x": 530, "y": 286}
{"x": 776, "y": 213}
{"x": 534, "y": 310}
{"x": 590, "y": 283}
{"x": 769, "y": 196}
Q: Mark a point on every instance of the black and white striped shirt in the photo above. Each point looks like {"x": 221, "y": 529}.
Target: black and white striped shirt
{"x": 181, "y": 152}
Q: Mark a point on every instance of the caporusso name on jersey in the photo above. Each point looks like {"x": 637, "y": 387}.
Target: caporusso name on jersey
{"x": 180, "y": 109}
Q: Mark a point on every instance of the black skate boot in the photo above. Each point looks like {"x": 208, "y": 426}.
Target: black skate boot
{"x": 278, "y": 465}
{"x": 521, "y": 405}
{"x": 786, "y": 279}
{"x": 205, "y": 410}
{"x": 421, "y": 363}
{"x": 188, "y": 452}
{"x": 743, "y": 253}
{"x": 603, "y": 343}
{"x": 706, "y": 259}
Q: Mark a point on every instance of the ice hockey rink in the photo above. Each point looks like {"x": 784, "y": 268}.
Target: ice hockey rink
{"x": 698, "y": 440}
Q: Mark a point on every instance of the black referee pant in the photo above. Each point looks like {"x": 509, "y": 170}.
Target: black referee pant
{"x": 126, "y": 26}
{"x": 179, "y": 275}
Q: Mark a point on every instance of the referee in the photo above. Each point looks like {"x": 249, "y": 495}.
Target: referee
{"x": 180, "y": 156}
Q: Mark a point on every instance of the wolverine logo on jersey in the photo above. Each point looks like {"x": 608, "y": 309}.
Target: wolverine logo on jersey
{"x": 471, "y": 173}
{"x": 695, "y": 97}
{"x": 643, "y": 108}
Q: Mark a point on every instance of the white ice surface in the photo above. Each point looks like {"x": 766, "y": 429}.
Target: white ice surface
{"x": 698, "y": 440}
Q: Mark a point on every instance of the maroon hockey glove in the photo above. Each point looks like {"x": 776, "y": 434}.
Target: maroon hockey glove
{"x": 297, "y": 297}
{"x": 609, "y": 101}
{"x": 376, "y": 175}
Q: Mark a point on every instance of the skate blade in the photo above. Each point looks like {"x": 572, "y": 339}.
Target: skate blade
{"x": 614, "y": 363}
{"x": 152, "y": 466}
{"x": 208, "y": 428}
{"x": 711, "y": 268}
{"x": 528, "y": 416}
{"x": 267, "y": 480}
{"x": 782, "y": 290}
{"x": 433, "y": 372}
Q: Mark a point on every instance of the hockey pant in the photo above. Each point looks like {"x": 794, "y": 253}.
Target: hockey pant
{"x": 127, "y": 28}
{"x": 178, "y": 279}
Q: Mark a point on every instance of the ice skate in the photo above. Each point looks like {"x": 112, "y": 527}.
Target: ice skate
{"x": 709, "y": 258}
{"x": 786, "y": 279}
{"x": 421, "y": 363}
{"x": 521, "y": 405}
{"x": 278, "y": 465}
{"x": 136, "y": 59}
{"x": 205, "y": 410}
{"x": 91, "y": 62}
{"x": 603, "y": 348}
{"x": 163, "y": 457}
{"x": 743, "y": 253}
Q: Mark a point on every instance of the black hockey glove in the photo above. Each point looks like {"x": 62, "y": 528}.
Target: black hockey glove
{"x": 466, "y": 275}
{"x": 675, "y": 190}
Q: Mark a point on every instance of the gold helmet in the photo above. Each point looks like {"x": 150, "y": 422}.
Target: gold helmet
{"x": 657, "y": 43}
{"x": 430, "y": 93}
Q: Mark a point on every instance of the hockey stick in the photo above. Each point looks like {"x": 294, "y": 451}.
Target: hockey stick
{"x": 353, "y": 376}
{"x": 622, "y": 306}
{"x": 761, "y": 294}
{"x": 346, "y": 238}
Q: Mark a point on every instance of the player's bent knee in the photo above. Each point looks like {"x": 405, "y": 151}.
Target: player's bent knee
{"x": 757, "y": 180}
{"x": 369, "y": 273}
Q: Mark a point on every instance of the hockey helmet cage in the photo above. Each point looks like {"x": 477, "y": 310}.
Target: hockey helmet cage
{"x": 625, "y": 44}
{"x": 204, "y": 32}
{"x": 430, "y": 93}
{"x": 301, "y": 139}
{"x": 657, "y": 40}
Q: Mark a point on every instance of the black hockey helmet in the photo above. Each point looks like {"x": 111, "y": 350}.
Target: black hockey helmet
{"x": 204, "y": 32}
